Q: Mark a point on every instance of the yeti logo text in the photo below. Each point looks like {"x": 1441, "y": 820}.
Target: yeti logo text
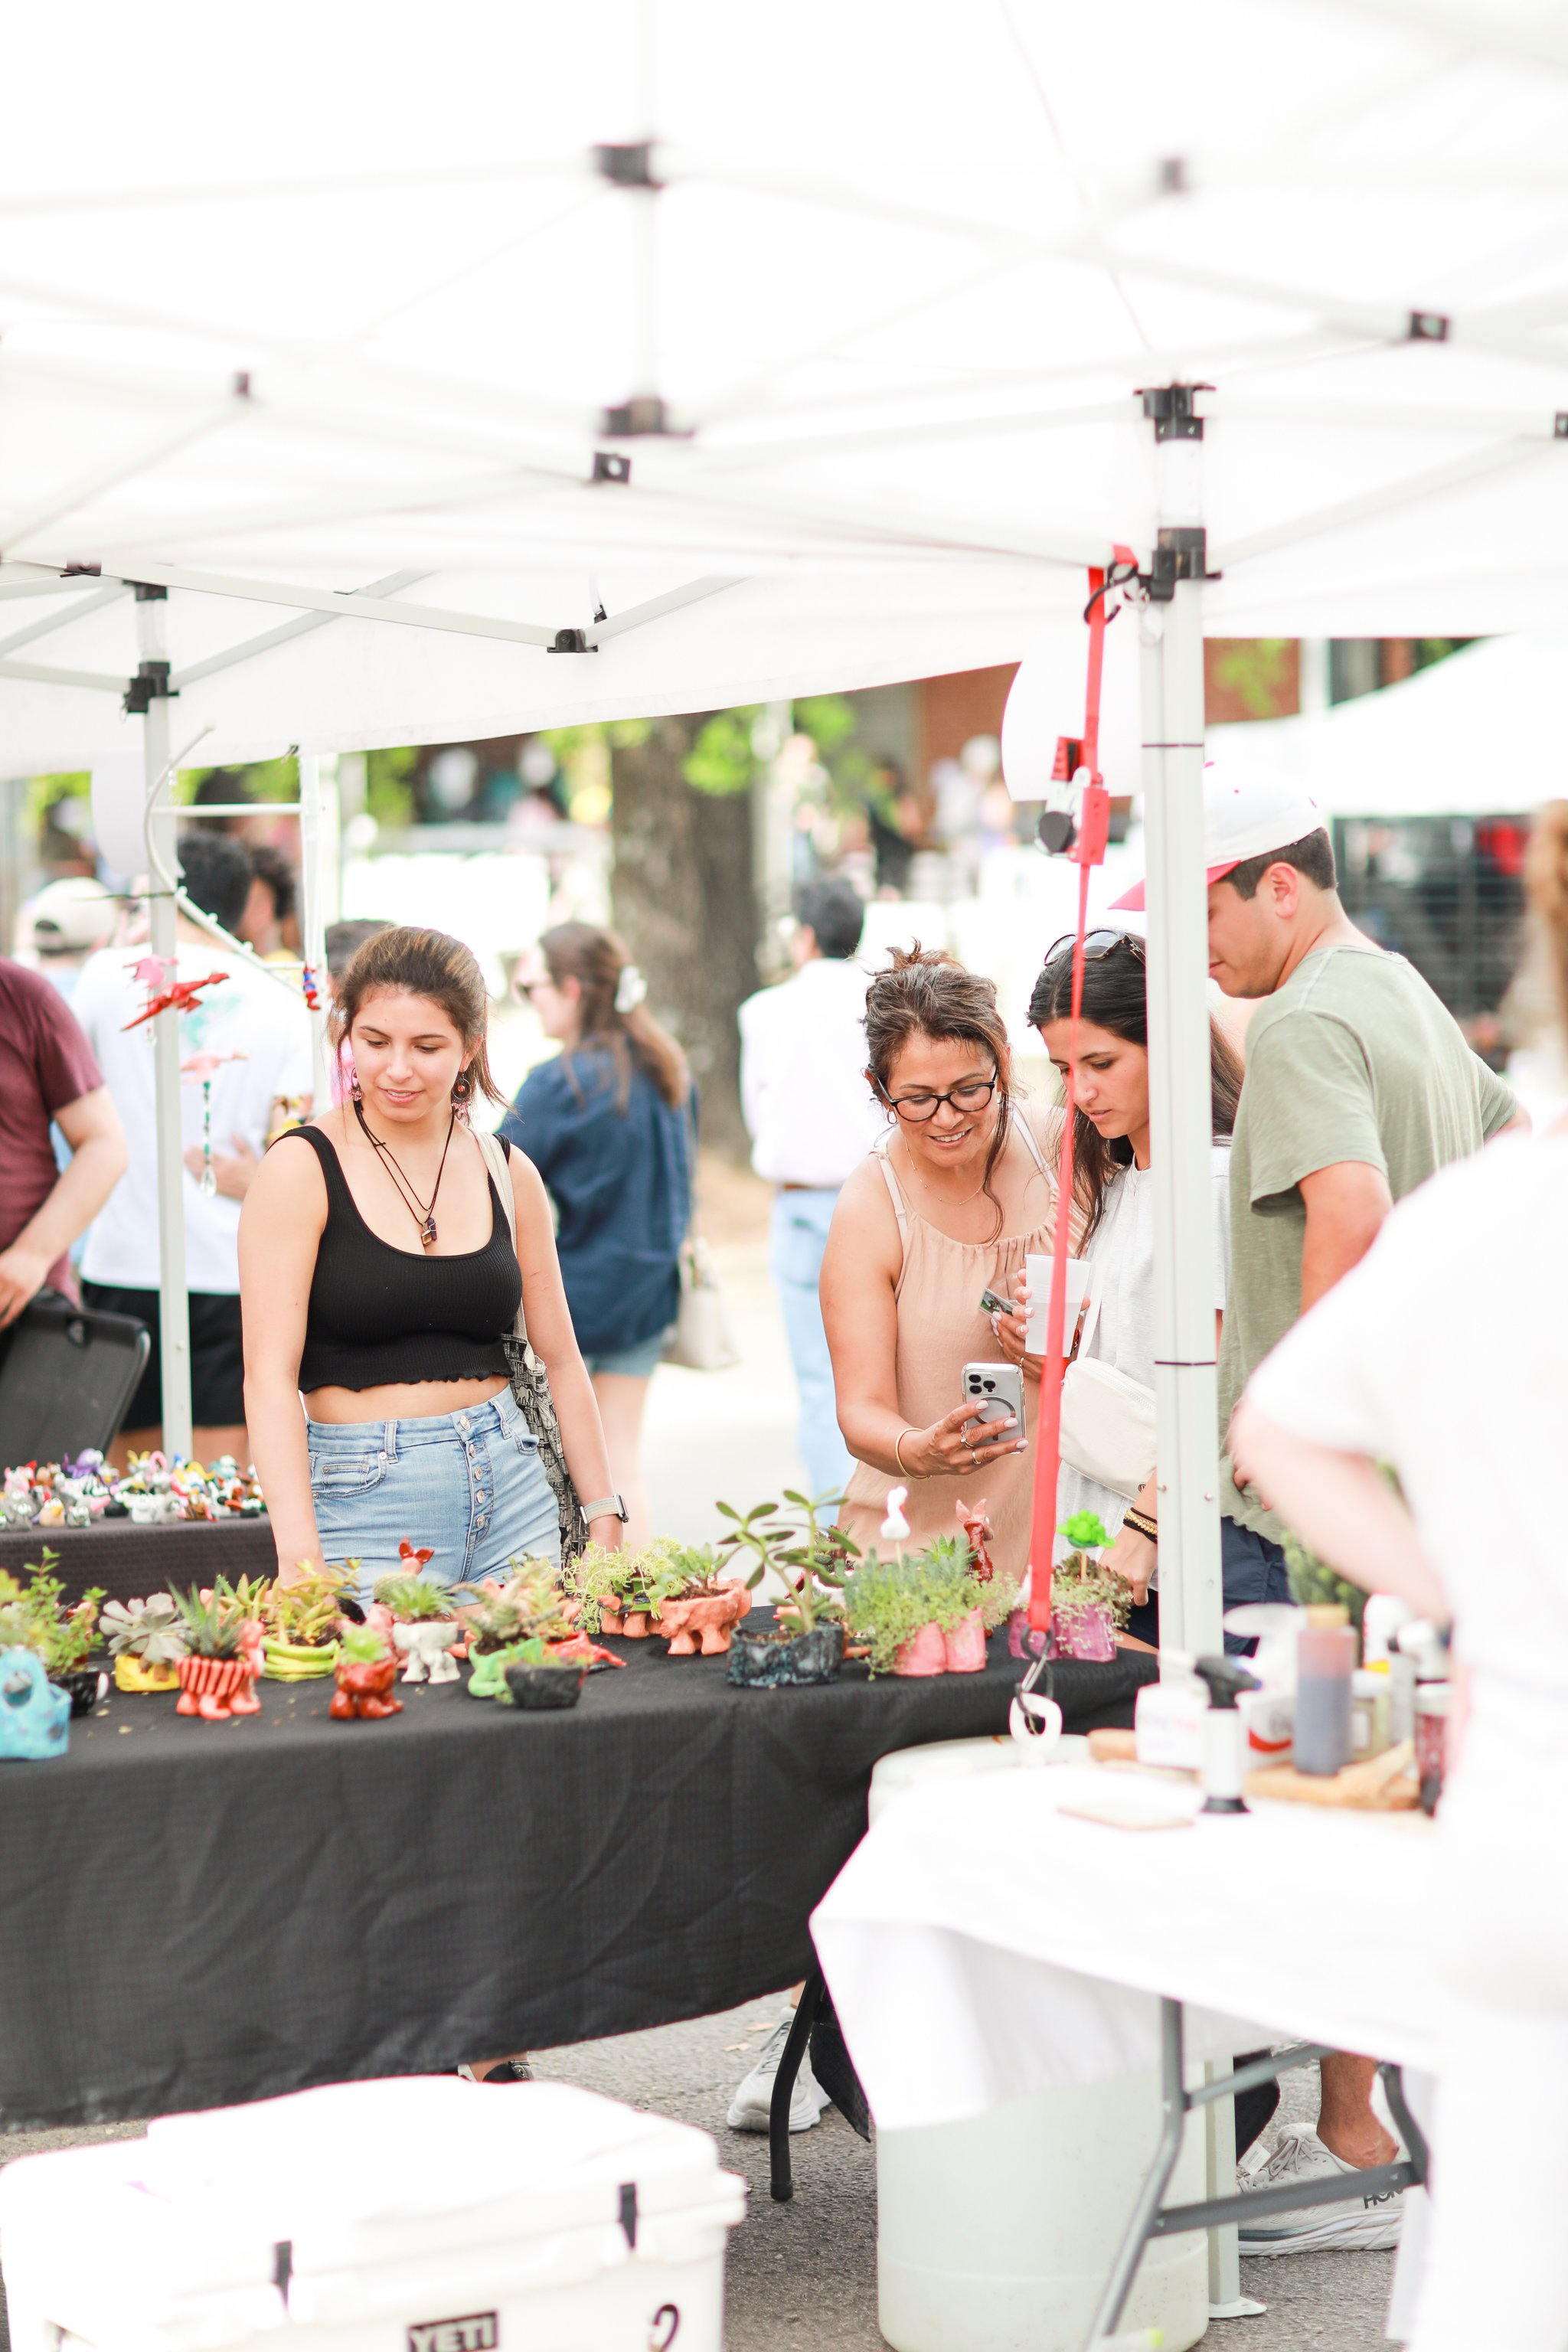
{"x": 477, "y": 2333}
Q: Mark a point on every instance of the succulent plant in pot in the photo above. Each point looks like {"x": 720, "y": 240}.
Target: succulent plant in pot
{"x": 414, "y": 1600}
{"x": 145, "y": 1642}
{"x": 910, "y": 1612}
{"x": 811, "y": 1560}
{"x": 303, "y": 1619}
{"x": 223, "y": 1650}
{"x": 1089, "y": 1604}
{"x": 495, "y": 1617}
{"x": 366, "y": 1665}
{"x": 536, "y": 1679}
{"x": 35, "y": 1616}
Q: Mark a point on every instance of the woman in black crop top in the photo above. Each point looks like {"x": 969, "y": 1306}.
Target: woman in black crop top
{"x": 377, "y": 1279}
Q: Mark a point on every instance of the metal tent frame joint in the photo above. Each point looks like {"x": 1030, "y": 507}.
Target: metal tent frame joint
{"x": 611, "y": 466}
{"x": 150, "y": 684}
{"x": 1180, "y": 552}
{"x": 645, "y": 417}
{"x": 1173, "y": 412}
{"x": 572, "y": 641}
{"x": 629, "y": 165}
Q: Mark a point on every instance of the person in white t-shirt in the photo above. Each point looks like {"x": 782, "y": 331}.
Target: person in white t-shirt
{"x": 1444, "y": 1353}
{"x": 1114, "y": 1202}
{"x": 812, "y": 1120}
{"x": 249, "y": 1050}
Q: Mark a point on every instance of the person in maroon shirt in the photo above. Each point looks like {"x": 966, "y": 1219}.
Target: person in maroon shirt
{"x": 47, "y": 1072}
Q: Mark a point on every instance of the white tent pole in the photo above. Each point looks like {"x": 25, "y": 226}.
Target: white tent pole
{"x": 1184, "y": 1352}
{"x": 312, "y": 916}
{"x": 1186, "y": 1370}
{"x": 173, "y": 1308}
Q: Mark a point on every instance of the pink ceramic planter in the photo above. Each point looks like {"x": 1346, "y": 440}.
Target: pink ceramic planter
{"x": 712, "y": 1616}
{"x": 1086, "y": 1632}
{"x": 925, "y": 1653}
{"x": 965, "y": 1645}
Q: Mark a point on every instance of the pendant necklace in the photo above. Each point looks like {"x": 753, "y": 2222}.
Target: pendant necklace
{"x": 935, "y": 1195}
{"x": 422, "y": 1211}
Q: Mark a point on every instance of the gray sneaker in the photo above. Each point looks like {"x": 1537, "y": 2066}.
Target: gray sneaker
{"x": 749, "y": 2108}
{"x": 1299, "y": 2154}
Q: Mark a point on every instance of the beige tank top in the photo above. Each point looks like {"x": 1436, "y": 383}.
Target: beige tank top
{"x": 941, "y": 1329}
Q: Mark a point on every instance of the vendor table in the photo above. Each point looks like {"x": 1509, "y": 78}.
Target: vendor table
{"x": 192, "y": 1913}
{"x": 126, "y": 1560}
{"x": 1035, "y": 1947}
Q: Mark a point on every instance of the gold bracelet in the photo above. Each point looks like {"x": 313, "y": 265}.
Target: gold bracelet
{"x": 1142, "y": 1525}
{"x": 910, "y": 1432}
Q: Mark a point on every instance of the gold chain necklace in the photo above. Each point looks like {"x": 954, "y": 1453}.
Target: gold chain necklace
{"x": 943, "y": 1197}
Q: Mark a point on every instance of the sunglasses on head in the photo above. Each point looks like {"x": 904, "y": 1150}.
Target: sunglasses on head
{"x": 1095, "y": 944}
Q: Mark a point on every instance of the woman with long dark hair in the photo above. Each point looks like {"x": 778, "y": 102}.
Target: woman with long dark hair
{"x": 948, "y": 1203}
{"x": 1115, "y": 1205}
{"x": 609, "y": 1123}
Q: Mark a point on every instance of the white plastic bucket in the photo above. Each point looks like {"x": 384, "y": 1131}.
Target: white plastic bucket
{"x": 997, "y": 2235}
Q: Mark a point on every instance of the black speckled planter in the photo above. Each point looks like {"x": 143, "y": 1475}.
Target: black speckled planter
{"x": 535, "y": 1688}
{"x": 84, "y": 1688}
{"x": 759, "y": 1663}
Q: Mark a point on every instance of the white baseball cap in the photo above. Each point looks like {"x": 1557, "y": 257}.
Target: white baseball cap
{"x": 73, "y": 913}
{"x": 1248, "y": 809}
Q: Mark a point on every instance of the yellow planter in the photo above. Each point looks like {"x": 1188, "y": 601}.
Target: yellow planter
{"x": 296, "y": 1661}
{"x": 130, "y": 1675}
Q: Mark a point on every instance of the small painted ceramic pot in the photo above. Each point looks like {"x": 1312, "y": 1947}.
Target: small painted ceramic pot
{"x": 704, "y": 1623}
{"x": 1085, "y": 1631}
{"x": 535, "y": 1690}
{"x": 924, "y": 1653}
{"x": 131, "y": 1673}
{"x": 84, "y": 1687}
{"x": 759, "y": 1664}
{"x": 297, "y": 1662}
{"x": 964, "y": 1645}
{"x": 216, "y": 1688}
{"x": 364, "y": 1689}
{"x": 427, "y": 1644}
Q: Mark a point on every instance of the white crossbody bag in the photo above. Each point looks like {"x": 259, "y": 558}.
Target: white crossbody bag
{"x": 1108, "y": 1426}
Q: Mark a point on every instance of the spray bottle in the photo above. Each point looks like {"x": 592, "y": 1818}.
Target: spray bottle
{"x": 1225, "y": 1734}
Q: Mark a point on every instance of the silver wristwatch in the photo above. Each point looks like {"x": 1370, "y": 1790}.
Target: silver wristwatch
{"x": 608, "y": 1507}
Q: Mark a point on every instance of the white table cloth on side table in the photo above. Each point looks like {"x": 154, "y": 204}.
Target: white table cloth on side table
{"x": 983, "y": 1944}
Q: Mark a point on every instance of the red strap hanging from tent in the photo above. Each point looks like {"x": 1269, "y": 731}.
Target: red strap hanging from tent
{"x": 1086, "y": 850}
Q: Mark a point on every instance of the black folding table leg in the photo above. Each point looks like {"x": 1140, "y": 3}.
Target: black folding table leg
{"x": 795, "y": 2050}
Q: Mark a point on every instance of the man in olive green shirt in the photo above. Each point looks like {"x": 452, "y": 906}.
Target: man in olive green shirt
{"x": 1359, "y": 1086}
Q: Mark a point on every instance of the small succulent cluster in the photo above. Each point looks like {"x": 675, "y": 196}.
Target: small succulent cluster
{"x": 1082, "y": 1581}
{"x": 886, "y": 1602}
{"x": 34, "y": 1616}
{"x": 810, "y": 1558}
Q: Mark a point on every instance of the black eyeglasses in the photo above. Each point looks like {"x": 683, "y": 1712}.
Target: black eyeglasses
{"x": 915, "y": 1109}
{"x": 1095, "y": 945}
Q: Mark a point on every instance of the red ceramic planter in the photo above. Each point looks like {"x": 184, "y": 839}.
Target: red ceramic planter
{"x": 217, "y": 1688}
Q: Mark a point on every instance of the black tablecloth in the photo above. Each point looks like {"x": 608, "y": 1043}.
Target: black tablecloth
{"x": 126, "y": 1560}
{"x": 192, "y": 1913}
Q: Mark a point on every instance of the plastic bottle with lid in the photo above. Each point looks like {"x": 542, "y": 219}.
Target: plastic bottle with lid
{"x": 1325, "y": 1661}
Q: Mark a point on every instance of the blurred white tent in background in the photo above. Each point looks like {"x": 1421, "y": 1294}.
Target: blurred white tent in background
{"x": 1479, "y": 734}
{"x": 382, "y": 343}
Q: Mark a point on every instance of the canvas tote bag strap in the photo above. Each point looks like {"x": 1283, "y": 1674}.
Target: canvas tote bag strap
{"x": 495, "y": 1160}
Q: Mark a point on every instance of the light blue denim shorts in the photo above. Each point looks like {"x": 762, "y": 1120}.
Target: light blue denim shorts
{"x": 469, "y": 1485}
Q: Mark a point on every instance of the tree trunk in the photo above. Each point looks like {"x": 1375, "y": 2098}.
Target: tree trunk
{"x": 685, "y": 904}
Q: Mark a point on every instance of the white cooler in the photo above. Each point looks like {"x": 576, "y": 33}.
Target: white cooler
{"x": 419, "y": 2215}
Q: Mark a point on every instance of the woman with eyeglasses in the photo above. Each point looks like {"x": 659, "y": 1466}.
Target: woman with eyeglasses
{"x": 1113, "y": 1199}
{"x": 948, "y": 1204}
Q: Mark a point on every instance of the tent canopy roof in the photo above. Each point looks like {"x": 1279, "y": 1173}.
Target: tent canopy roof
{"x": 344, "y": 308}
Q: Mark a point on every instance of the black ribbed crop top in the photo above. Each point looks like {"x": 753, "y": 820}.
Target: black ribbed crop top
{"x": 377, "y": 1313}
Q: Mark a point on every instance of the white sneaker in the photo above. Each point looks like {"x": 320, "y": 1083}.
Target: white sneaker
{"x": 1300, "y": 2155}
{"x": 749, "y": 2108}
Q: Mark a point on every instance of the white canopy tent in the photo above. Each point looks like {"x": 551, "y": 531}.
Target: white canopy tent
{"x": 1478, "y": 734}
{"x": 424, "y": 397}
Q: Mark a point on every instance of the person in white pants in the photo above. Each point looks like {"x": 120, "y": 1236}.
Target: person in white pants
{"x": 1444, "y": 1353}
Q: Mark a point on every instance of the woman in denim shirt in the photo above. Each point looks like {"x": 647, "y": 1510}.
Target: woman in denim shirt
{"x": 609, "y": 1124}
